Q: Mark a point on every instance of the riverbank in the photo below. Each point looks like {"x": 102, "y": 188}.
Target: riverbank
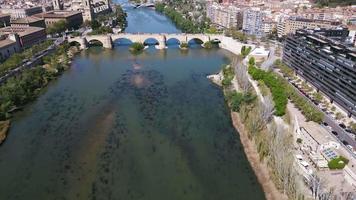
{"x": 17, "y": 91}
{"x": 257, "y": 163}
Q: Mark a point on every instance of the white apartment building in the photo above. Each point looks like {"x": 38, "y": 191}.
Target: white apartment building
{"x": 253, "y": 22}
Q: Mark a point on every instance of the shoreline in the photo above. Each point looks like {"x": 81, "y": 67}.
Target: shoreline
{"x": 259, "y": 167}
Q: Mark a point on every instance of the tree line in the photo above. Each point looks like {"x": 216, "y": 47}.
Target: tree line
{"x": 282, "y": 91}
{"x": 184, "y": 23}
{"x": 17, "y": 59}
{"x": 19, "y": 90}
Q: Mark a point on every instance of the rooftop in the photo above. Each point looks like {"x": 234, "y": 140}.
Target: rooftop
{"x": 21, "y": 31}
{"x": 4, "y": 15}
{"x": 30, "y": 19}
{"x": 6, "y": 42}
{"x": 57, "y": 14}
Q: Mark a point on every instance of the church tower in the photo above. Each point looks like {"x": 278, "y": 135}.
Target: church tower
{"x": 88, "y": 12}
{"x": 57, "y": 4}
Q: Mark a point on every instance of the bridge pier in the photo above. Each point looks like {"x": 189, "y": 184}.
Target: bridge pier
{"x": 107, "y": 42}
{"x": 161, "y": 42}
{"x": 83, "y": 43}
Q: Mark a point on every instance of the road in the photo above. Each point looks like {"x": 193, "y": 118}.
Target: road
{"x": 30, "y": 63}
{"x": 341, "y": 134}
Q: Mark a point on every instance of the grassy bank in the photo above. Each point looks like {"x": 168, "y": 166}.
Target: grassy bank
{"x": 281, "y": 91}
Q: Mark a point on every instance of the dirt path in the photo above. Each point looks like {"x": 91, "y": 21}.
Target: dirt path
{"x": 260, "y": 168}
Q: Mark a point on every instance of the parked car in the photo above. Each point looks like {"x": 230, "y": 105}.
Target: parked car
{"x": 334, "y": 132}
{"x": 342, "y": 125}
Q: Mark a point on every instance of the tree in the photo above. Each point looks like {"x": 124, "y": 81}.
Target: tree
{"x": 339, "y": 116}
{"x": 58, "y": 27}
{"x": 95, "y": 24}
{"x": 251, "y": 61}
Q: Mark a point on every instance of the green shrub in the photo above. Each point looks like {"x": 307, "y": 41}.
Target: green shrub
{"x": 338, "y": 163}
{"x": 236, "y": 99}
{"x": 245, "y": 51}
{"x": 229, "y": 74}
{"x": 208, "y": 45}
{"x": 136, "y": 47}
{"x": 184, "y": 45}
{"x": 275, "y": 84}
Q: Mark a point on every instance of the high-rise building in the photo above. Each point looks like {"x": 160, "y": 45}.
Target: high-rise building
{"x": 253, "y": 21}
{"x": 321, "y": 58}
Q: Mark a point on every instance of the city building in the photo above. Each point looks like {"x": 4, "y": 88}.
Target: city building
{"x": 73, "y": 18}
{"x": 225, "y": 16}
{"x": 90, "y": 8}
{"x": 268, "y": 26}
{"x": 17, "y": 13}
{"x": 291, "y": 25}
{"x": 325, "y": 62}
{"x": 4, "y": 20}
{"x": 253, "y": 22}
{"x": 9, "y": 44}
{"x": 29, "y": 21}
{"x": 28, "y": 36}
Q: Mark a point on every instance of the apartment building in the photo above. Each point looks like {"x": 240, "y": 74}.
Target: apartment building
{"x": 253, "y": 22}
{"x": 324, "y": 62}
{"x": 291, "y": 25}
{"x": 225, "y": 16}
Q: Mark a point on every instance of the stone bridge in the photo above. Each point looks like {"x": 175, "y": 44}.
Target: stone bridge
{"x": 161, "y": 38}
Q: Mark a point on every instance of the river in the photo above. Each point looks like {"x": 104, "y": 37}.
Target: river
{"x": 123, "y": 126}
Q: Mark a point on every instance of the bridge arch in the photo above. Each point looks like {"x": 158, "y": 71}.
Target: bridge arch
{"x": 95, "y": 42}
{"x": 173, "y": 41}
{"x": 123, "y": 41}
{"x": 75, "y": 43}
{"x": 151, "y": 41}
{"x": 195, "y": 41}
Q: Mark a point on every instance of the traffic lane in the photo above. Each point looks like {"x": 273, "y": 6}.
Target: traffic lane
{"x": 341, "y": 134}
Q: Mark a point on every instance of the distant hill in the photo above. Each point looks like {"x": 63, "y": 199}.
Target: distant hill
{"x": 334, "y": 3}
